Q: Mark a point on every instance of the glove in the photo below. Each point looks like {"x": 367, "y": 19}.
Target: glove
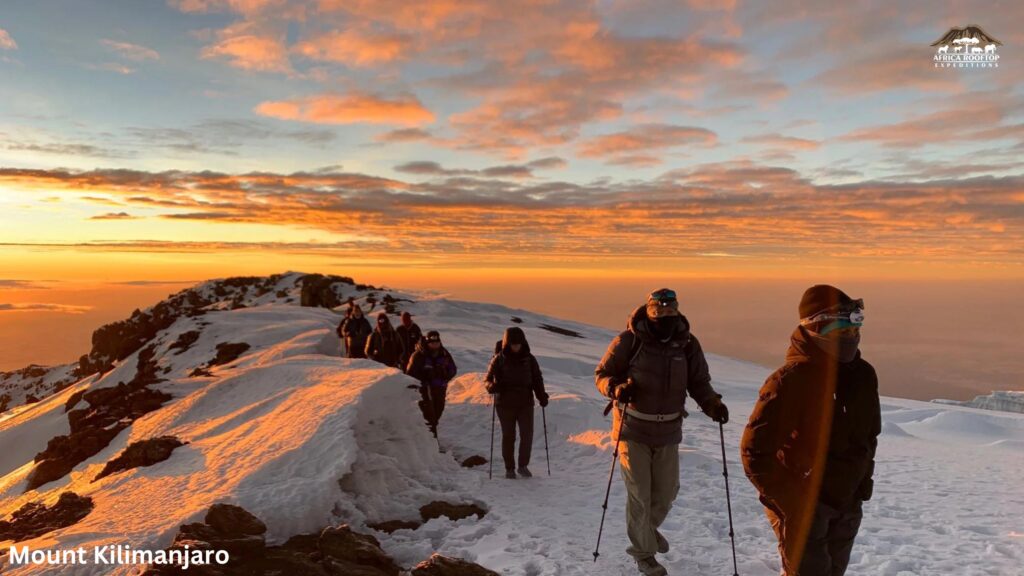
{"x": 716, "y": 410}
{"x": 543, "y": 400}
{"x": 624, "y": 393}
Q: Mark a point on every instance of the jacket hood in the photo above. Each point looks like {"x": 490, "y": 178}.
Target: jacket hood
{"x": 637, "y": 324}
{"x": 514, "y": 335}
{"x": 803, "y": 349}
{"x": 387, "y": 322}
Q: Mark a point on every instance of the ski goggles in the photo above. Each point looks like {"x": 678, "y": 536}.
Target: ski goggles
{"x": 848, "y": 315}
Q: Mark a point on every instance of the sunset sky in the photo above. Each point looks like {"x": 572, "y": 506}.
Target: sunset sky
{"x": 175, "y": 141}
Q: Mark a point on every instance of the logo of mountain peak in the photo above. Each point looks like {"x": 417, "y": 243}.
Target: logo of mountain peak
{"x": 967, "y": 47}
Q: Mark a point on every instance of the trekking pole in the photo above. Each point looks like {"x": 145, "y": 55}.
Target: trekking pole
{"x": 611, "y": 473}
{"x": 490, "y": 468}
{"x": 546, "y": 452}
{"x": 728, "y": 500}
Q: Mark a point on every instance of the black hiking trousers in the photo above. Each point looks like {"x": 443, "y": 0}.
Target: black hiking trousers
{"x": 513, "y": 417}
{"x": 829, "y": 542}
{"x": 432, "y": 400}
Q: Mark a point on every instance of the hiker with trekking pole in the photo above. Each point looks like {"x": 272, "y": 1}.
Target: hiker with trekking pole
{"x": 514, "y": 378}
{"x": 647, "y": 372}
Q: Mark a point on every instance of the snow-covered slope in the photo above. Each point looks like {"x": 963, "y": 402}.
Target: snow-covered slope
{"x": 303, "y": 438}
{"x": 1001, "y": 400}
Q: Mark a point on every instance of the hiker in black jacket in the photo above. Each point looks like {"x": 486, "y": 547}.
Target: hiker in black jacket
{"x": 434, "y": 367}
{"x": 514, "y": 377}
{"x": 355, "y": 330}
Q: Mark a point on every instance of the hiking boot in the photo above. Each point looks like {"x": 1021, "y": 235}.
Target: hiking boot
{"x": 650, "y": 567}
{"x": 525, "y": 472}
{"x": 510, "y": 474}
{"x": 662, "y": 543}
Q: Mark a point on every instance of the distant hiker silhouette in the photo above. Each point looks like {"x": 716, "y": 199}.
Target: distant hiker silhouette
{"x": 356, "y": 330}
{"x": 384, "y": 345}
{"x": 514, "y": 377}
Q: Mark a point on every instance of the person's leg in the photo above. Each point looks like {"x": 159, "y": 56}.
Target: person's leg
{"x": 816, "y": 559}
{"x": 507, "y": 417}
{"x": 664, "y": 483}
{"x": 439, "y": 393}
{"x": 525, "y": 421}
{"x": 424, "y": 405}
{"x": 841, "y": 535}
{"x": 635, "y": 462}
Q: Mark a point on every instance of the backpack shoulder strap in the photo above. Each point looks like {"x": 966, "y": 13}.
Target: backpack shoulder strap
{"x": 634, "y": 349}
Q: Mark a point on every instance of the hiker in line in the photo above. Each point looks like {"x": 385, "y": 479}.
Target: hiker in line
{"x": 340, "y": 330}
{"x": 356, "y": 329}
{"x": 384, "y": 345}
{"x": 410, "y": 334}
{"x": 434, "y": 367}
{"x": 514, "y": 378}
{"x": 809, "y": 447}
{"x": 648, "y": 369}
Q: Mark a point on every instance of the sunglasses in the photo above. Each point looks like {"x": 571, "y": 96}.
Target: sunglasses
{"x": 664, "y": 297}
{"x": 853, "y": 318}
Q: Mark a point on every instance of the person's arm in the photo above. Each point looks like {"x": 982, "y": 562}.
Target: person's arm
{"x": 698, "y": 382}
{"x": 492, "y": 376}
{"x": 415, "y": 365}
{"x": 772, "y": 425}
{"x": 867, "y": 483}
{"x": 614, "y": 366}
{"x": 371, "y": 346}
{"x": 537, "y": 380}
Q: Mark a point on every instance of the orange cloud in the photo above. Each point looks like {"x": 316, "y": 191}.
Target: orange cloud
{"x": 645, "y": 137}
{"x": 349, "y": 109}
{"x": 6, "y": 42}
{"x": 354, "y": 48}
{"x": 250, "y": 51}
{"x": 739, "y": 208}
{"x": 131, "y": 51}
{"x": 776, "y": 140}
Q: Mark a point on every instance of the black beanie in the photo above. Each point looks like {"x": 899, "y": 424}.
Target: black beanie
{"x": 821, "y": 297}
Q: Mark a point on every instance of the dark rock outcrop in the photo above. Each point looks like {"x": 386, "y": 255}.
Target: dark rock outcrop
{"x": 562, "y": 331}
{"x": 474, "y": 461}
{"x": 318, "y": 290}
{"x": 142, "y": 453}
{"x": 336, "y": 551}
{"x": 227, "y": 352}
{"x": 439, "y": 565}
{"x": 234, "y": 520}
{"x": 392, "y": 526}
{"x": 109, "y": 411}
{"x": 438, "y": 509}
{"x": 35, "y": 519}
{"x": 185, "y": 341}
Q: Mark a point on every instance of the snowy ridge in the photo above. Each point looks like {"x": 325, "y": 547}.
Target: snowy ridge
{"x": 1001, "y": 400}
{"x": 303, "y": 438}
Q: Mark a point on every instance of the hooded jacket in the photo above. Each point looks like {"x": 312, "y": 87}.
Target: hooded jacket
{"x": 816, "y": 424}
{"x": 410, "y": 336}
{"x": 515, "y": 377}
{"x": 356, "y": 331}
{"x": 431, "y": 370}
{"x": 384, "y": 345}
{"x": 664, "y": 371}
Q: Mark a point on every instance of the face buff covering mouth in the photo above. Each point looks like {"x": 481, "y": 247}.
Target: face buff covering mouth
{"x": 841, "y": 347}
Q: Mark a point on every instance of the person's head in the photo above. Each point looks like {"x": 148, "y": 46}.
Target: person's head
{"x": 382, "y": 320}
{"x": 828, "y": 313}
{"x": 663, "y": 310}
{"x": 515, "y": 339}
{"x": 406, "y": 319}
{"x": 433, "y": 340}
{"x": 356, "y": 311}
